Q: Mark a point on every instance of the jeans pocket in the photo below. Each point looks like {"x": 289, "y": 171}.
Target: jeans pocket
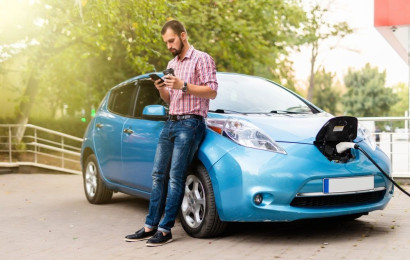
{"x": 190, "y": 122}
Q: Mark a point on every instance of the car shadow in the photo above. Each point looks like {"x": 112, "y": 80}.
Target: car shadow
{"x": 314, "y": 229}
{"x": 132, "y": 201}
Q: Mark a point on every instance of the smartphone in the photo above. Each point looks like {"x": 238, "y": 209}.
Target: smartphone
{"x": 155, "y": 77}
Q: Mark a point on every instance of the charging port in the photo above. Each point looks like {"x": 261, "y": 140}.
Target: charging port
{"x": 336, "y": 130}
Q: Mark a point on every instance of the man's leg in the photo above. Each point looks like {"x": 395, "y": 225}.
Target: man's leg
{"x": 188, "y": 135}
{"x": 159, "y": 187}
{"x": 159, "y": 178}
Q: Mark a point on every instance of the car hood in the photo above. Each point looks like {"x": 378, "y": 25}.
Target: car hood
{"x": 294, "y": 128}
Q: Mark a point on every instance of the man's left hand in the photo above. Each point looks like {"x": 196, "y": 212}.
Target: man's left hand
{"x": 173, "y": 82}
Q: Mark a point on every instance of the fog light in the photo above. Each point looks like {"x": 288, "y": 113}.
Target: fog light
{"x": 258, "y": 199}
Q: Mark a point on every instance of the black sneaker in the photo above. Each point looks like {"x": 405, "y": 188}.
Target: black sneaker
{"x": 159, "y": 239}
{"x": 140, "y": 235}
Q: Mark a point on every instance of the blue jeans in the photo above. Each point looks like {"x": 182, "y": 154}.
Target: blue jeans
{"x": 178, "y": 142}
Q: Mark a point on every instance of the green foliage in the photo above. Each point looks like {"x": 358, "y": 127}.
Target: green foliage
{"x": 68, "y": 125}
{"x": 326, "y": 95}
{"x": 250, "y": 37}
{"x": 402, "y": 105}
{"x": 367, "y": 94}
{"x": 76, "y": 53}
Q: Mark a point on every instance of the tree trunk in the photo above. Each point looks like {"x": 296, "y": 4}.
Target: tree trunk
{"x": 26, "y": 104}
{"x": 311, "y": 88}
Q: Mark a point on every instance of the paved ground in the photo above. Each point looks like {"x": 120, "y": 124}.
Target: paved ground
{"x": 44, "y": 216}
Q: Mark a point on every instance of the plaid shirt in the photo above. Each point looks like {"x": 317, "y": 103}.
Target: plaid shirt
{"x": 196, "y": 68}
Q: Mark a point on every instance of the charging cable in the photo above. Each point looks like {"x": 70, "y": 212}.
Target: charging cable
{"x": 343, "y": 146}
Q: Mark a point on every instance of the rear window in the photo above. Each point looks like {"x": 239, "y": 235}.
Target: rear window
{"x": 121, "y": 100}
{"x": 147, "y": 95}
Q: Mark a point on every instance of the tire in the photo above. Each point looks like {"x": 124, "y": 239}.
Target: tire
{"x": 198, "y": 213}
{"x": 94, "y": 187}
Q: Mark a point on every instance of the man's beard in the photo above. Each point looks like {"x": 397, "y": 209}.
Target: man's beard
{"x": 177, "y": 52}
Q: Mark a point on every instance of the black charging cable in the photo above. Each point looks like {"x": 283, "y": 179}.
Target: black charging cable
{"x": 356, "y": 146}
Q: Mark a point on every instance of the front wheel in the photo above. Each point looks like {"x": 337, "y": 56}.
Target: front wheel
{"x": 198, "y": 213}
{"x": 94, "y": 187}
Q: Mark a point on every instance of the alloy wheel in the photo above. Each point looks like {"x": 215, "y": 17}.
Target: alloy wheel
{"x": 91, "y": 179}
{"x": 194, "y": 202}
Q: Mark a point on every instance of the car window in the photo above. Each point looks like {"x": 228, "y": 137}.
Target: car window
{"x": 121, "y": 100}
{"x": 255, "y": 95}
{"x": 147, "y": 95}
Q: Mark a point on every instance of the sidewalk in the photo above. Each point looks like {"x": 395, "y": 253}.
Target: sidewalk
{"x": 46, "y": 216}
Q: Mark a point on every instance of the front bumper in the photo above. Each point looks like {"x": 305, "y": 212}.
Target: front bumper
{"x": 243, "y": 173}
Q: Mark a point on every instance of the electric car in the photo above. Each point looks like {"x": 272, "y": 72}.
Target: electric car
{"x": 268, "y": 155}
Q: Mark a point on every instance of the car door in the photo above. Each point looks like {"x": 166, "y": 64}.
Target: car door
{"x": 140, "y": 139}
{"x": 109, "y": 124}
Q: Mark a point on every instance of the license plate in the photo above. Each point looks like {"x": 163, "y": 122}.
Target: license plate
{"x": 337, "y": 185}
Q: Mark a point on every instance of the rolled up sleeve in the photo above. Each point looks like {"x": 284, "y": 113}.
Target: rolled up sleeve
{"x": 207, "y": 71}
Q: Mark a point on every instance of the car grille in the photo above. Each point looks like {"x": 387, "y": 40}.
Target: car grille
{"x": 338, "y": 200}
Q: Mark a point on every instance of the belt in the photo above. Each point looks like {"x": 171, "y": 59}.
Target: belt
{"x": 183, "y": 117}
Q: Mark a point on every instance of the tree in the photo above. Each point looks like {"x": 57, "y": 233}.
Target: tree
{"x": 22, "y": 34}
{"x": 74, "y": 57}
{"x": 402, "y": 105}
{"x": 74, "y": 51}
{"x": 251, "y": 37}
{"x": 367, "y": 94}
{"x": 327, "y": 96}
{"x": 316, "y": 31}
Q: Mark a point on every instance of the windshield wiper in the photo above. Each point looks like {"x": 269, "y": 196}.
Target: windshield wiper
{"x": 287, "y": 112}
{"x": 223, "y": 111}
{"x": 227, "y": 111}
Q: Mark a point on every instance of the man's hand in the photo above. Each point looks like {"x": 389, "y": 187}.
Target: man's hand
{"x": 159, "y": 85}
{"x": 173, "y": 82}
{"x": 163, "y": 91}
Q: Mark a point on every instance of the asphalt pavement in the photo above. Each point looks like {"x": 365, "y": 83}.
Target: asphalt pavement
{"x": 46, "y": 216}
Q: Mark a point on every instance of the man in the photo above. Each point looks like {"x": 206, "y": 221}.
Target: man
{"x": 188, "y": 94}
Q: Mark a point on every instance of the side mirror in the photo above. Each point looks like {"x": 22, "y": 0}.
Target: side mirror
{"x": 154, "y": 112}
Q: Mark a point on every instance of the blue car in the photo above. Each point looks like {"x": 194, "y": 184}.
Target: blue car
{"x": 268, "y": 155}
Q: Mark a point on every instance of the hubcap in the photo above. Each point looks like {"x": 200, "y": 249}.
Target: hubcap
{"x": 193, "y": 204}
{"x": 91, "y": 179}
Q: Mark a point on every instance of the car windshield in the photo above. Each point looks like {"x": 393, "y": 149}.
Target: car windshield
{"x": 245, "y": 94}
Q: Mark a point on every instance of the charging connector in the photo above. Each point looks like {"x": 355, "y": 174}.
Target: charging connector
{"x": 343, "y": 146}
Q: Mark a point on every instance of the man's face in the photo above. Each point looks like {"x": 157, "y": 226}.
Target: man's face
{"x": 173, "y": 41}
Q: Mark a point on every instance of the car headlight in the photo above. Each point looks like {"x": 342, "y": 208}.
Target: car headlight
{"x": 244, "y": 133}
{"x": 365, "y": 133}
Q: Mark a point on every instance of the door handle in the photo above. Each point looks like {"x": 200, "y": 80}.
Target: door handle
{"x": 128, "y": 131}
{"x": 99, "y": 125}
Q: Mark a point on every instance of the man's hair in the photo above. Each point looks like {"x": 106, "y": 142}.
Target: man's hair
{"x": 175, "y": 25}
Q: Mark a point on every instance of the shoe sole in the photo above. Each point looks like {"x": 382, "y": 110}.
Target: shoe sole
{"x": 159, "y": 244}
{"x": 136, "y": 239}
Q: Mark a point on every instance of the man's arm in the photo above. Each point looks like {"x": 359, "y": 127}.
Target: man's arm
{"x": 206, "y": 70}
{"x": 201, "y": 91}
{"x": 198, "y": 91}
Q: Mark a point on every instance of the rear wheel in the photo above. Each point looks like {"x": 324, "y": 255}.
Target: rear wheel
{"x": 198, "y": 213}
{"x": 94, "y": 187}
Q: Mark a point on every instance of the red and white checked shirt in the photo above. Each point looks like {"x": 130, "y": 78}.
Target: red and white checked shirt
{"x": 196, "y": 68}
